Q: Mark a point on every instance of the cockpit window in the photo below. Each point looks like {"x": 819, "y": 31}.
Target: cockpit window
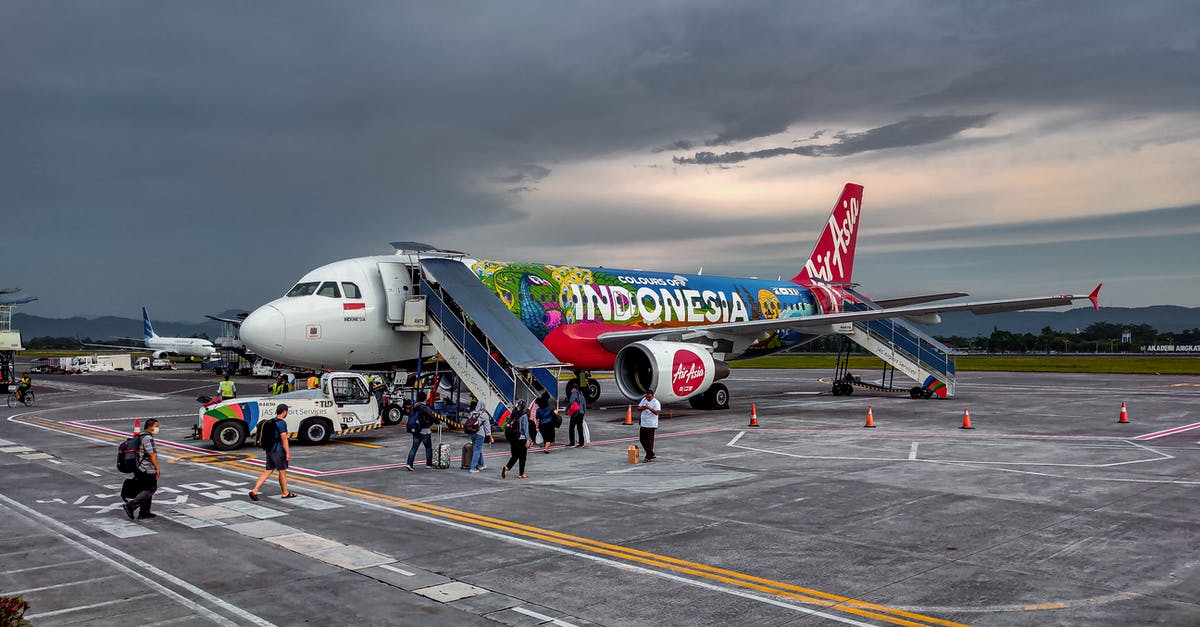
{"x": 330, "y": 289}
{"x": 351, "y": 290}
{"x": 303, "y": 289}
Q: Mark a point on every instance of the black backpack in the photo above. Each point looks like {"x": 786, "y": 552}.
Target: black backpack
{"x": 415, "y": 420}
{"x": 128, "y": 453}
{"x": 512, "y": 428}
{"x": 471, "y": 426}
{"x": 268, "y": 435}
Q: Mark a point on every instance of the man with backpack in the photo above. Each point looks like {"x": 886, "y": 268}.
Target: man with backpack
{"x": 478, "y": 426}
{"x": 273, "y": 437}
{"x": 146, "y": 473}
{"x": 420, "y": 423}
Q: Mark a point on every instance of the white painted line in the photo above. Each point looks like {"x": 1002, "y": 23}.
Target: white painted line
{"x": 16, "y": 449}
{"x": 7, "y": 443}
{"x": 32, "y": 456}
{"x": 53, "y": 461}
{"x": 78, "y": 609}
{"x": 542, "y": 617}
{"x": 250, "y": 509}
{"x": 13, "y": 593}
{"x": 118, "y": 563}
{"x": 120, "y": 527}
{"x": 90, "y": 473}
{"x": 25, "y": 570}
{"x": 1159, "y": 434}
{"x": 736, "y": 438}
{"x": 396, "y": 570}
{"x": 912, "y": 452}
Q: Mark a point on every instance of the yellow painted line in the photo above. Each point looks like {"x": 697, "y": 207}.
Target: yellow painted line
{"x": 1045, "y": 606}
{"x": 776, "y": 588}
{"x": 362, "y": 444}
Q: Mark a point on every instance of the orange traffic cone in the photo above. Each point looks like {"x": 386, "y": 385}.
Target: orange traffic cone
{"x": 753, "y": 416}
{"x": 137, "y": 426}
{"x": 966, "y": 420}
{"x": 870, "y": 419}
{"x": 629, "y": 415}
{"x": 1124, "y": 414}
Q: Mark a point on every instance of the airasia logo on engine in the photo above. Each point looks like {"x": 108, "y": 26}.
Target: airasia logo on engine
{"x": 687, "y": 372}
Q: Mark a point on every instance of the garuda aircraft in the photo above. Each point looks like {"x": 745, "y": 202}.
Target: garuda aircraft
{"x": 669, "y": 332}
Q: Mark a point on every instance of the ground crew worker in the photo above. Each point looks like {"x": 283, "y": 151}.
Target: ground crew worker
{"x": 23, "y": 386}
{"x": 280, "y": 386}
{"x": 227, "y": 389}
{"x": 314, "y": 382}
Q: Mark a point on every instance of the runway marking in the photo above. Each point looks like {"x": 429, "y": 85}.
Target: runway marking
{"x": 912, "y": 452}
{"x": 79, "y": 608}
{"x": 595, "y": 548}
{"x": 14, "y": 593}
{"x": 25, "y": 570}
{"x": 397, "y": 570}
{"x": 1165, "y": 432}
{"x": 117, "y": 562}
{"x": 542, "y": 617}
{"x": 736, "y": 438}
{"x": 132, "y": 418}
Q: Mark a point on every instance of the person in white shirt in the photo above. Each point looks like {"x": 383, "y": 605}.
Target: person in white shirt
{"x": 648, "y": 420}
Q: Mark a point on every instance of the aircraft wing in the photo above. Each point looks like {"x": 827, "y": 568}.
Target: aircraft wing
{"x": 917, "y": 300}
{"x": 615, "y": 340}
{"x": 233, "y": 321}
{"x": 135, "y": 349}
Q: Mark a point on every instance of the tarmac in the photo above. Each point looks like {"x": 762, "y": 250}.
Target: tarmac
{"x": 1047, "y": 511}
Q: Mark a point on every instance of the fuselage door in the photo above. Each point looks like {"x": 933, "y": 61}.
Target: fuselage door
{"x": 396, "y": 288}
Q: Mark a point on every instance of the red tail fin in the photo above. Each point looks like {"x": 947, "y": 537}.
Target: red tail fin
{"x": 832, "y": 259}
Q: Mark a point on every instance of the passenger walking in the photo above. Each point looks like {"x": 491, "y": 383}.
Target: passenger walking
{"x": 227, "y": 389}
{"x": 420, "y": 423}
{"x": 547, "y": 421}
{"x": 576, "y": 407}
{"x": 273, "y": 436}
{"x": 516, "y": 431}
{"x": 484, "y": 422}
{"x": 146, "y": 474}
{"x": 649, "y": 422}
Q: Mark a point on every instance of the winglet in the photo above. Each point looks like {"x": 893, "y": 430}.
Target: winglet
{"x": 1095, "y": 297}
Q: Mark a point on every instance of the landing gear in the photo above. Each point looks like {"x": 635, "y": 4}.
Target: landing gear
{"x": 591, "y": 390}
{"x": 715, "y": 397}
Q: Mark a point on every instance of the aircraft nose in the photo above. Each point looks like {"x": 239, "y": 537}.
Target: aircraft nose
{"x": 263, "y": 330}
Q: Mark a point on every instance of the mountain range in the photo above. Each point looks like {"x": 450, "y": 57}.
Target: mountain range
{"x": 965, "y": 324}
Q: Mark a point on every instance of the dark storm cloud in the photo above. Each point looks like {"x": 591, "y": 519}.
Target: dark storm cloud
{"x": 192, "y": 145}
{"x": 915, "y": 131}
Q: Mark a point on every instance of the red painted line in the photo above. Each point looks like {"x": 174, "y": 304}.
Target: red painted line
{"x": 1159, "y": 434}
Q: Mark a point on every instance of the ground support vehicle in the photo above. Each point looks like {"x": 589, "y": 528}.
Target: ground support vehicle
{"x": 341, "y": 406}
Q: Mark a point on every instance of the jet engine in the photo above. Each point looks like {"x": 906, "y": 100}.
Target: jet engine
{"x": 674, "y": 370}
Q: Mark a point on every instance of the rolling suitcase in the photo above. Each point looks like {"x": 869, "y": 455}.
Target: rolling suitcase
{"x": 441, "y": 453}
{"x": 468, "y": 453}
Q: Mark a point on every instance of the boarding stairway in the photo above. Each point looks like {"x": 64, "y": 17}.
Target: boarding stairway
{"x": 907, "y": 350}
{"x": 488, "y": 348}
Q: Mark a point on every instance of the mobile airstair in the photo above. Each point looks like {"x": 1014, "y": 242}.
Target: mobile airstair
{"x": 905, "y": 349}
{"x": 488, "y": 348}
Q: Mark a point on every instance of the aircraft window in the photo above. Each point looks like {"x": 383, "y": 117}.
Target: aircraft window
{"x": 351, "y": 290}
{"x": 303, "y": 289}
{"x": 330, "y": 289}
{"x": 349, "y": 391}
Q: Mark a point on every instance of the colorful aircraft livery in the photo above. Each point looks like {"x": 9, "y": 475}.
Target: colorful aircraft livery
{"x": 547, "y": 297}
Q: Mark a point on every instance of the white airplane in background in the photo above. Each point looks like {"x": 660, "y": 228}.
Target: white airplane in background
{"x": 164, "y": 346}
{"x": 669, "y": 332}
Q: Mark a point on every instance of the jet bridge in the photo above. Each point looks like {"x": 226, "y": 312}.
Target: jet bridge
{"x": 492, "y": 353}
{"x": 904, "y": 348}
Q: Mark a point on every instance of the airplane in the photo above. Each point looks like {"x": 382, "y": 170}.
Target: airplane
{"x": 164, "y": 346}
{"x": 669, "y": 332}
{"x": 12, "y": 296}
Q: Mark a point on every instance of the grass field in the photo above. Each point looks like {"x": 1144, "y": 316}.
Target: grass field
{"x": 1005, "y": 363}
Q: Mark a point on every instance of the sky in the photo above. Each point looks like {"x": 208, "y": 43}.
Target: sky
{"x": 196, "y": 157}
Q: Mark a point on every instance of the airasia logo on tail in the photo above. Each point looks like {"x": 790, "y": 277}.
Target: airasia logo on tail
{"x": 687, "y": 372}
{"x": 832, "y": 260}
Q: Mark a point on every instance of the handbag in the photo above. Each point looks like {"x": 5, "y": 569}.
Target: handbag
{"x": 573, "y": 408}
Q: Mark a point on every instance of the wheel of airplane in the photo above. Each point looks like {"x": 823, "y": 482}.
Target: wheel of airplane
{"x": 393, "y": 414}
{"x": 699, "y": 401}
{"x": 228, "y": 435}
{"x": 718, "y": 396}
{"x": 916, "y": 392}
{"x": 316, "y": 430}
{"x": 591, "y": 390}
{"x": 926, "y": 393}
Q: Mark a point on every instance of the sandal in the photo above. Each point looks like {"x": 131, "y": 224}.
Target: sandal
{"x": 504, "y": 472}
{"x": 254, "y": 496}
{"x": 522, "y": 477}
{"x": 289, "y": 495}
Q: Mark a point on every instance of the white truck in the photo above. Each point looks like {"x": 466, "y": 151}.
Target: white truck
{"x": 341, "y": 406}
{"x": 156, "y": 363}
